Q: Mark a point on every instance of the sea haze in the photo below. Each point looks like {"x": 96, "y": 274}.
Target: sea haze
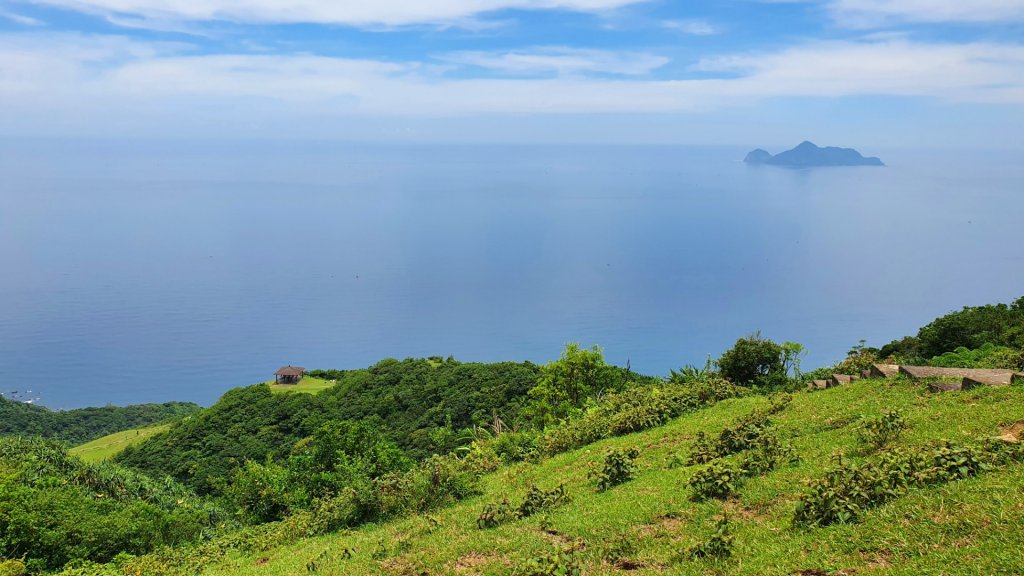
{"x": 151, "y": 272}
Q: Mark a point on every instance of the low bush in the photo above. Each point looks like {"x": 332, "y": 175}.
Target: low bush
{"x": 513, "y": 447}
{"x": 718, "y": 545}
{"x": 557, "y": 563}
{"x": 536, "y": 500}
{"x": 494, "y": 515}
{"x": 619, "y": 467}
{"x": 987, "y": 356}
{"x": 882, "y": 431}
{"x": 767, "y": 454}
{"x": 848, "y": 490}
{"x": 746, "y": 434}
{"x": 620, "y": 551}
{"x": 12, "y": 568}
{"x": 716, "y": 480}
{"x": 634, "y": 409}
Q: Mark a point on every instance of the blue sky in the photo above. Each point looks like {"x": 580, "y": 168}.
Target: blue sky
{"x": 859, "y": 72}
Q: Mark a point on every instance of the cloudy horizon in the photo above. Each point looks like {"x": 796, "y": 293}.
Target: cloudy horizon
{"x": 852, "y": 72}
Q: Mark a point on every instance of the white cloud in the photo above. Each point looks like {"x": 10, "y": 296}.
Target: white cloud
{"x": 92, "y": 82}
{"x": 20, "y": 18}
{"x": 558, "y": 60}
{"x": 874, "y": 13}
{"x": 347, "y": 12}
{"x": 691, "y": 27}
{"x": 977, "y": 72}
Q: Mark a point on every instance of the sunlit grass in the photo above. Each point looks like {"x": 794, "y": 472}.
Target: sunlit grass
{"x": 972, "y": 526}
{"x": 109, "y": 446}
{"x": 307, "y": 385}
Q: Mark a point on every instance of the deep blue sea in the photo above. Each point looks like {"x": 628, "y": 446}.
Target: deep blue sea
{"x": 143, "y": 272}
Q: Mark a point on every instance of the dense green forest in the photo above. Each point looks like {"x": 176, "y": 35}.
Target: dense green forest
{"x": 426, "y": 406}
{"x": 997, "y": 327}
{"x": 55, "y": 509}
{"x": 85, "y": 424}
{"x": 262, "y": 468}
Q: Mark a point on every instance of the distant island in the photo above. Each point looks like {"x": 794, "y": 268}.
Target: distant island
{"x": 808, "y": 155}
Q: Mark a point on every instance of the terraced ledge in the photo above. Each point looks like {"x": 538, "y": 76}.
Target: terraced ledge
{"x": 923, "y": 372}
{"x": 969, "y": 382}
{"x": 884, "y": 370}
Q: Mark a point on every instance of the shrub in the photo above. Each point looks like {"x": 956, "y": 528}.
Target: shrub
{"x": 564, "y": 384}
{"x": 717, "y": 480}
{"x": 344, "y": 510}
{"x": 847, "y": 490}
{"x": 619, "y": 467}
{"x": 515, "y": 446}
{"x": 260, "y": 492}
{"x": 435, "y": 482}
{"x": 56, "y": 509}
{"x": 494, "y": 515}
{"x": 987, "y": 356}
{"x": 634, "y": 409}
{"x": 881, "y": 431}
{"x": 758, "y": 362}
{"x": 537, "y": 500}
{"x": 558, "y": 563}
{"x": 718, "y": 545}
{"x": 858, "y": 359}
{"x": 767, "y": 454}
{"x": 12, "y": 568}
{"x": 970, "y": 328}
{"x": 619, "y": 552}
{"x": 747, "y": 433}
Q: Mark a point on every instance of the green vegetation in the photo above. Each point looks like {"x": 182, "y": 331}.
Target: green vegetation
{"x": 987, "y": 356}
{"x": 425, "y": 406}
{"x": 883, "y": 430}
{"x": 110, "y": 445}
{"x": 619, "y": 467}
{"x": 970, "y": 328}
{"x": 566, "y": 383}
{"x": 307, "y": 385}
{"x": 760, "y": 363}
{"x": 54, "y": 508}
{"x": 84, "y": 424}
{"x": 576, "y": 467}
{"x": 970, "y": 523}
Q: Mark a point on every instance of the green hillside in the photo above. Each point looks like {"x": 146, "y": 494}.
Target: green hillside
{"x": 84, "y": 424}
{"x": 431, "y": 466}
{"x": 110, "y": 445}
{"x": 56, "y": 509}
{"x": 424, "y": 405}
{"x": 651, "y": 523}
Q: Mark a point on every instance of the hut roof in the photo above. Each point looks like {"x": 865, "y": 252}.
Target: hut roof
{"x": 290, "y": 371}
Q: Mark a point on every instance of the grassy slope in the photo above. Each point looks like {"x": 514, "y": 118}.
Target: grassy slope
{"x": 307, "y": 385}
{"x": 968, "y": 527}
{"x": 108, "y": 446}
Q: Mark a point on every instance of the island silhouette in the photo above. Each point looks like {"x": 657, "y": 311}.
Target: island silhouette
{"x": 808, "y": 155}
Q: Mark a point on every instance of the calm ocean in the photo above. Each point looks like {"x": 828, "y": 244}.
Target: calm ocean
{"x": 153, "y": 272}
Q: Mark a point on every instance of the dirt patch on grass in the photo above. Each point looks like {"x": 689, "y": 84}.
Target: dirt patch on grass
{"x": 1012, "y": 432}
{"x": 735, "y": 510}
{"x": 401, "y": 567}
{"x": 880, "y": 560}
{"x": 665, "y": 524}
{"x": 471, "y": 563}
{"x": 558, "y": 539}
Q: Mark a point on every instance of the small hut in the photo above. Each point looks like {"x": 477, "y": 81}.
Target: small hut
{"x": 289, "y": 374}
